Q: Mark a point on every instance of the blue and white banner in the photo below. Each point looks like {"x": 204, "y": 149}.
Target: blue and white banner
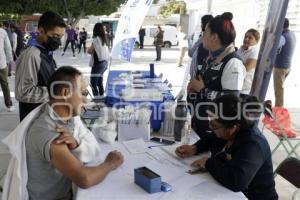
{"x": 268, "y": 48}
{"x": 129, "y": 24}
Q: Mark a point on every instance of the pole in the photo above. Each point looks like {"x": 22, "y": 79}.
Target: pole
{"x": 268, "y": 48}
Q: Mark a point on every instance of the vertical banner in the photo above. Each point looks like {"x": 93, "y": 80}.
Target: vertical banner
{"x": 268, "y": 48}
{"x": 129, "y": 24}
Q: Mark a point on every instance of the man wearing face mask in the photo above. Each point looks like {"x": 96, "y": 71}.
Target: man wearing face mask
{"x": 36, "y": 64}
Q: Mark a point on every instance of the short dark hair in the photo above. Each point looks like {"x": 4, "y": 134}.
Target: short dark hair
{"x": 255, "y": 33}
{"x": 229, "y": 110}
{"x": 49, "y": 20}
{"x": 224, "y": 28}
{"x": 204, "y": 21}
{"x": 63, "y": 77}
{"x": 286, "y": 23}
{"x": 227, "y": 15}
{"x": 6, "y": 24}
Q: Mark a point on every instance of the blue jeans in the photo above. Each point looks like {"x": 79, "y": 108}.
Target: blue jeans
{"x": 97, "y": 78}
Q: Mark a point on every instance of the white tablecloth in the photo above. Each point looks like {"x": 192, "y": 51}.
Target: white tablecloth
{"x": 119, "y": 184}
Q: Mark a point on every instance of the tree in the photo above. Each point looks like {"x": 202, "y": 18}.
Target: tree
{"x": 73, "y": 10}
{"x": 172, "y": 7}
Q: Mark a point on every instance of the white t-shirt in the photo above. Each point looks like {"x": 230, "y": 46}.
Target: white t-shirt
{"x": 250, "y": 53}
{"x": 233, "y": 75}
{"x": 101, "y": 50}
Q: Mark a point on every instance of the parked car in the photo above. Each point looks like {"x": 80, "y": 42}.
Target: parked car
{"x": 170, "y": 33}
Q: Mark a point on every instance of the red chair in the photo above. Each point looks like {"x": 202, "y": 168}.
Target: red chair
{"x": 278, "y": 121}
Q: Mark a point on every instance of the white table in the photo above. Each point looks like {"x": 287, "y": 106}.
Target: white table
{"x": 119, "y": 184}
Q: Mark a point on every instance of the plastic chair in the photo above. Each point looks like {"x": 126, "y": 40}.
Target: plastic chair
{"x": 277, "y": 120}
{"x": 289, "y": 169}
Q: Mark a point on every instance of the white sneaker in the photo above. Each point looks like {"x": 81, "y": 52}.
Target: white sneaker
{"x": 11, "y": 109}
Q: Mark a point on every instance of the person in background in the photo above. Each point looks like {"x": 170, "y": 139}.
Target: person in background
{"x": 33, "y": 36}
{"x": 99, "y": 59}
{"x": 222, "y": 72}
{"x": 158, "y": 42}
{"x": 249, "y": 53}
{"x": 240, "y": 158}
{"x": 7, "y": 28}
{"x": 70, "y": 39}
{"x": 142, "y": 34}
{"x": 82, "y": 40}
{"x": 36, "y": 64}
{"x": 183, "y": 45}
{"x": 18, "y": 45}
{"x": 5, "y": 58}
{"x": 110, "y": 37}
{"x": 76, "y": 37}
{"x": 283, "y": 62}
{"x": 51, "y": 158}
{"x": 197, "y": 52}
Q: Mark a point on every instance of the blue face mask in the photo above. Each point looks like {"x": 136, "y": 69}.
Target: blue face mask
{"x": 52, "y": 43}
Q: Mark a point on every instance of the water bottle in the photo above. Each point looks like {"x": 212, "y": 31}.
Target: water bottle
{"x": 152, "y": 70}
{"x": 168, "y": 124}
{"x": 188, "y": 132}
{"x": 180, "y": 118}
{"x": 187, "y": 129}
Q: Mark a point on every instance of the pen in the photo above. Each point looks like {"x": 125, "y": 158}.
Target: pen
{"x": 150, "y": 147}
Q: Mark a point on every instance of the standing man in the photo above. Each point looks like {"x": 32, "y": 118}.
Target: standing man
{"x": 183, "y": 45}
{"x": 36, "y": 64}
{"x": 142, "y": 34}
{"x": 70, "y": 39}
{"x": 5, "y": 58}
{"x": 283, "y": 62}
{"x": 158, "y": 42}
{"x": 110, "y": 37}
{"x": 82, "y": 40}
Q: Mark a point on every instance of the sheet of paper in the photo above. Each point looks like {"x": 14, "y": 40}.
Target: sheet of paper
{"x": 135, "y": 146}
{"x": 186, "y": 161}
{"x": 212, "y": 190}
{"x": 169, "y": 173}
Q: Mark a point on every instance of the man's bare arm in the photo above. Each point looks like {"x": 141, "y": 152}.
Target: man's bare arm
{"x": 82, "y": 176}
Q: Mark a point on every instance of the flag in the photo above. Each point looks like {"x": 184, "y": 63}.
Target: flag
{"x": 128, "y": 26}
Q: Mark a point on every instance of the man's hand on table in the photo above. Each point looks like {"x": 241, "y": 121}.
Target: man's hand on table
{"x": 114, "y": 159}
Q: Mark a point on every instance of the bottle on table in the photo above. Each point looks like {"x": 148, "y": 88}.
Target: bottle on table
{"x": 180, "y": 118}
{"x": 187, "y": 129}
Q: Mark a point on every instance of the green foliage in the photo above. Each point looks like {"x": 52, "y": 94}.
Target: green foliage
{"x": 71, "y": 9}
{"x": 172, "y": 7}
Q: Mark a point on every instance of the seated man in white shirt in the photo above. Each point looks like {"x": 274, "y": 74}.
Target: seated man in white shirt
{"x": 51, "y": 164}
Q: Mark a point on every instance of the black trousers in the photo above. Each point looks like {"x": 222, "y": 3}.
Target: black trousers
{"x": 72, "y": 45}
{"x": 158, "y": 52}
{"x": 26, "y": 108}
{"x": 141, "y": 42}
{"x": 82, "y": 43}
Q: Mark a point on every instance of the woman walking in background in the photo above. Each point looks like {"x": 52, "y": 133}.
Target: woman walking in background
{"x": 99, "y": 57}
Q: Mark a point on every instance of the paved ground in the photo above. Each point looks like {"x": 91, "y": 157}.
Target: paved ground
{"x": 140, "y": 61}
